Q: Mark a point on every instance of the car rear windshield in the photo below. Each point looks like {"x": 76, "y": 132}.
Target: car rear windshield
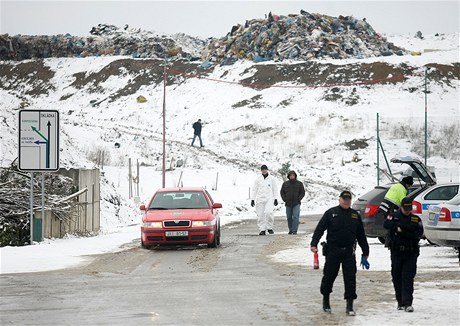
{"x": 179, "y": 200}
{"x": 378, "y": 193}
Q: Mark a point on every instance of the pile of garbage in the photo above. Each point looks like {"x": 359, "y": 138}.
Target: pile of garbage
{"x": 104, "y": 40}
{"x": 298, "y": 37}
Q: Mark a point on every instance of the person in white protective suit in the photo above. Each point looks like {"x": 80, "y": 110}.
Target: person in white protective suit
{"x": 264, "y": 198}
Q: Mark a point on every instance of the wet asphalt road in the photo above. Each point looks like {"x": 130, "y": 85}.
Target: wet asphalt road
{"x": 235, "y": 284}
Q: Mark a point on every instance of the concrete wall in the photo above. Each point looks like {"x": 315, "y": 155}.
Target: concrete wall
{"x": 87, "y": 216}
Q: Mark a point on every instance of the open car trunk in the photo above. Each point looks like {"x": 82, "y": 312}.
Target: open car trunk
{"x": 419, "y": 168}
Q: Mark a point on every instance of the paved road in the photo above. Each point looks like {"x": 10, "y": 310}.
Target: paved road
{"x": 235, "y": 284}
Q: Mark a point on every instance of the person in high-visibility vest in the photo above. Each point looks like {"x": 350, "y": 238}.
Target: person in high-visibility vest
{"x": 394, "y": 195}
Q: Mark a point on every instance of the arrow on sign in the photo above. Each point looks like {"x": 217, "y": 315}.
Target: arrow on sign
{"x": 48, "y": 146}
{"x": 38, "y": 132}
{"x": 47, "y": 157}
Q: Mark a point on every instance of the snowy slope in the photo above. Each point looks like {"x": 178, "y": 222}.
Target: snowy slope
{"x": 243, "y": 126}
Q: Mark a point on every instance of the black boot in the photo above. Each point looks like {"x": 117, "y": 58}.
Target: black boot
{"x": 326, "y": 304}
{"x": 349, "y": 310}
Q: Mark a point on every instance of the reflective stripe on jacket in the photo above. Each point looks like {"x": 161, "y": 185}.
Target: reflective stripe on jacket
{"x": 393, "y": 197}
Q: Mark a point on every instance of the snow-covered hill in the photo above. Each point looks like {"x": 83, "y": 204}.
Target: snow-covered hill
{"x": 305, "y": 114}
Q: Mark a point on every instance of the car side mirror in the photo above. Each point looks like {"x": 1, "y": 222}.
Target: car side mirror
{"x": 142, "y": 207}
{"x": 217, "y": 205}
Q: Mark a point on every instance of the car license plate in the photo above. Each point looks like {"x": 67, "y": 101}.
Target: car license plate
{"x": 176, "y": 233}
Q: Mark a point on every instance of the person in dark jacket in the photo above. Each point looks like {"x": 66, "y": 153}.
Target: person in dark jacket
{"x": 344, "y": 227}
{"x": 197, "y": 132}
{"x": 292, "y": 191}
{"x": 405, "y": 231}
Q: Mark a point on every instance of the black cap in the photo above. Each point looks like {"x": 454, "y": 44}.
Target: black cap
{"x": 264, "y": 167}
{"x": 406, "y": 204}
{"x": 345, "y": 194}
{"x": 408, "y": 180}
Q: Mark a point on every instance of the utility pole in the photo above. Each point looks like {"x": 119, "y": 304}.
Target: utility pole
{"x": 31, "y": 208}
{"x": 426, "y": 116}
{"x": 378, "y": 141}
{"x": 164, "y": 127}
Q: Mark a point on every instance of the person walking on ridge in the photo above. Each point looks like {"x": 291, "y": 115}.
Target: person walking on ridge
{"x": 197, "y": 132}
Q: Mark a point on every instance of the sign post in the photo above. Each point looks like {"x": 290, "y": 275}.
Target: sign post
{"x": 38, "y": 147}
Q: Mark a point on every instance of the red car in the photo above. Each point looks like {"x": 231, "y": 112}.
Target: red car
{"x": 177, "y": 216}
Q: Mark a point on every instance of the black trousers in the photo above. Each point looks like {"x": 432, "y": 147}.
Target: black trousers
{"x": 336, "y": 257}
{"x": 403, "y": 270}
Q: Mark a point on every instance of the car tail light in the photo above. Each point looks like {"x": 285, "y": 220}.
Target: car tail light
{"x": 416, "y": 207}
{"x": 370, "y": 210}
{"x": 444, "y": 215}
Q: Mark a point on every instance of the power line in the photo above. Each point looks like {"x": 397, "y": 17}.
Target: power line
{"x": 373, "y": 81}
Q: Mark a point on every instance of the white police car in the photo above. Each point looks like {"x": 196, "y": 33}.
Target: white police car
{"x": 443, "y": 225}
{"x": 434, "y": 195}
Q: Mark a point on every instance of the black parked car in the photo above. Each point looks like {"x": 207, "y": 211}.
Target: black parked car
{"x": 369, "y": 203}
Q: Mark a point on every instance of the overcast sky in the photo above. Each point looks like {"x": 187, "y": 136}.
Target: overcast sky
{"x": 215, "y": 18}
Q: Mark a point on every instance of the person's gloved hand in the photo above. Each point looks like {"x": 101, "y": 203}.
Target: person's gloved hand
{"x": 275, "y": 202}
{"x": 364, "y": 263}
{"x": 252, "y": 203}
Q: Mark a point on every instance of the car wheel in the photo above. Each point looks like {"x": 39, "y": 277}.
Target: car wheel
{"x": 381, "y": 239}
{"x": 144, "y": 246}
{"x": 216, "y": 240}
{"x": 218, "y": 237}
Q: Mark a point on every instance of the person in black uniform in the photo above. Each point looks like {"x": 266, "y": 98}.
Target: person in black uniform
{"x": 405, "y": 231}
{"x": 344, "y": 227}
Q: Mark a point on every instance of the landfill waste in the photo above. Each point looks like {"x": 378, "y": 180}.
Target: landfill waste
{"x": 141, "y": 99}
{"x": 419, "y": 35}
{"x": 104, "y": 40}
{"x": 298, "y": 37}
